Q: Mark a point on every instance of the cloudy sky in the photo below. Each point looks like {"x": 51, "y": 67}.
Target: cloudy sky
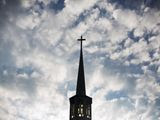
{"x": 39, "y": 58}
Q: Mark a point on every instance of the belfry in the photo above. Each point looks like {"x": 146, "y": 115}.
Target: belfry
{"x": 80, "y": 104}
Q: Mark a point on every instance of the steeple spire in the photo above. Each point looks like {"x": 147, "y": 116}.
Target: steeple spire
{"x": 81, "y": 78}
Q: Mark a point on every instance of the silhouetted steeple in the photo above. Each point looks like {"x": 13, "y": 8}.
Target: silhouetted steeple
{"x": 80, "y": 104}
{"x": 81, "y": 77}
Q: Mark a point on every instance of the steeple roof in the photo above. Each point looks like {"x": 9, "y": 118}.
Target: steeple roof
{"x": 81, "y": 77}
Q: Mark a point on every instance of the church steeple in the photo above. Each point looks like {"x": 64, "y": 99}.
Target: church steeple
{"x": 80, "y": 104}
{"x": 81, "y": 77}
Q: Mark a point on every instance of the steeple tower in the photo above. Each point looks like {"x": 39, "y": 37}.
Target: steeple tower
{"x": 80, "y": 104}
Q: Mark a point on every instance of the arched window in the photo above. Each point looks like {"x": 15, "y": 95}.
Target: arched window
{"x": 80, "y": 110}
{"x": 72, "y": 111}
{"x": 88, "y": 111}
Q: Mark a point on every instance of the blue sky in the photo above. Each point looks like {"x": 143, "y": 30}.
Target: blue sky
{"x": 39, "y": 58}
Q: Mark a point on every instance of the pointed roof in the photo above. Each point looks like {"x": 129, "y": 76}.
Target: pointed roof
{"x": 81, "y": 78}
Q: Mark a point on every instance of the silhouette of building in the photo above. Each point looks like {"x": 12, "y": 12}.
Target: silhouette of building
{"x": 80, "y": 104}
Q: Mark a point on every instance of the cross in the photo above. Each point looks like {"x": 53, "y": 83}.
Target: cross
{"x": 81, "y": 39}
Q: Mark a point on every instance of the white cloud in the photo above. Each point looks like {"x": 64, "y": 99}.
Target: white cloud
{"x": 126, "y": 17}
{"x": 28, "y": 22}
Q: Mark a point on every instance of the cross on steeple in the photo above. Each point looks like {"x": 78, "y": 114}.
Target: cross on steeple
{"x": 81, "y": 40}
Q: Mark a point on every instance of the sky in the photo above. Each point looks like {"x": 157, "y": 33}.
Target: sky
{"x": 39, "y": 55}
